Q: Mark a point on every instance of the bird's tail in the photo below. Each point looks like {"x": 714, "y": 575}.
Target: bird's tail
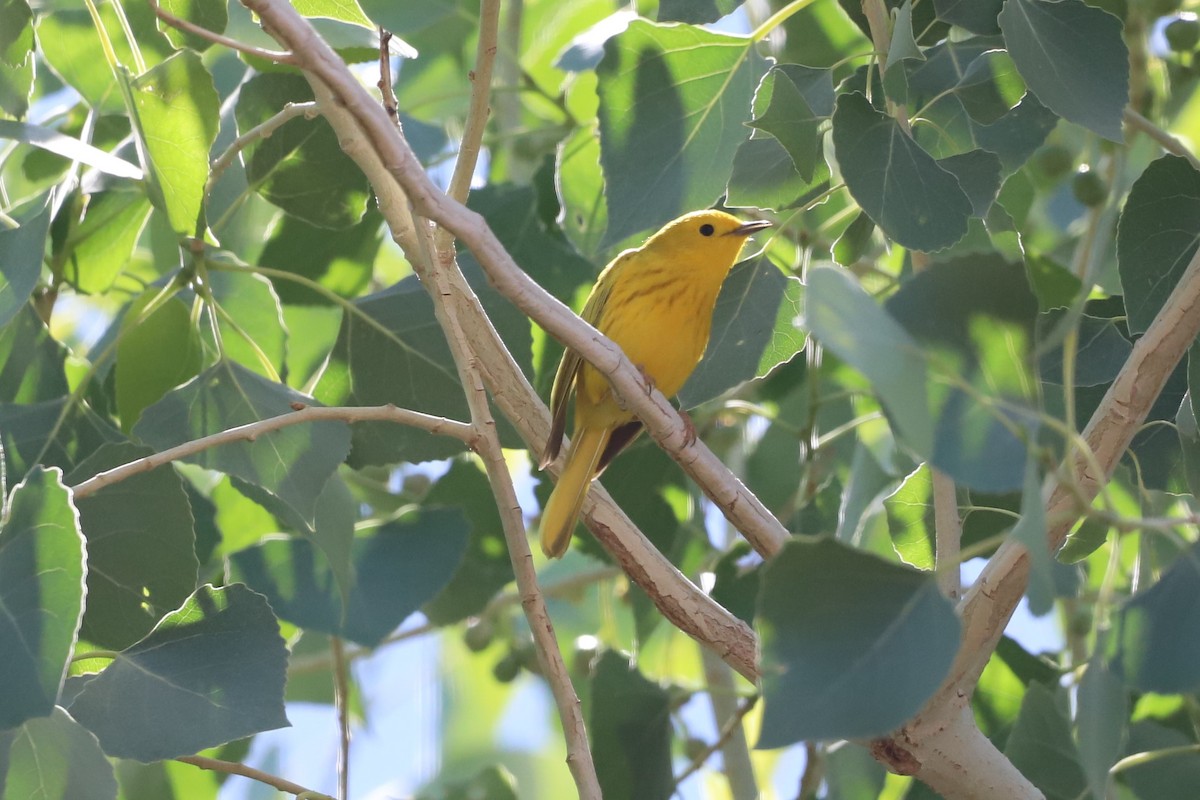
{"x": 558, "y": 518}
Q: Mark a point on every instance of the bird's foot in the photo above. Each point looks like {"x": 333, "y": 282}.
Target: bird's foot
{"x": 689, "y": 428}
{"x": 648, "y": 378}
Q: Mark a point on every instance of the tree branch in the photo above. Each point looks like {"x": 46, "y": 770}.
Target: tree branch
{"x": 744, "y": 511}
{"x": 251, "y": 431}
{"x": 677, "y": 598}
{"x": 234, "y": 768}
{"x": 262, "y": 131}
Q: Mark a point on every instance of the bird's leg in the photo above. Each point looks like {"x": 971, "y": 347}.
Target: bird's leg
{"x": 648, "y": 378}
{"x": 689, "y": 428}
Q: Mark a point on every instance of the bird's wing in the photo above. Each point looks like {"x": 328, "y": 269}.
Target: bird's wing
{"x": 568, "y": 367}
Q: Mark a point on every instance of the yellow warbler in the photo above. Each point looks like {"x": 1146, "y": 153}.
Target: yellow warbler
{"x": 656, "y": 302}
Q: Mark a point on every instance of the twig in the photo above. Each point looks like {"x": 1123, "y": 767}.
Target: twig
{"x": 234, "y": 768}
{"x": 1169, "y": 143}
{"x": 341, "y": 703}
{"x": 437, "y": 264}
{"x": 477, "y": 111}
{"x": 947, "y": 534}
{"x": 251, "y": 431}
{"x": 679, "y": 600}
{"x": 216, "y": 38}
{"x": 386, "y": 93}
{"x": 262, "y": 131}
{"x": 731, "y": 726}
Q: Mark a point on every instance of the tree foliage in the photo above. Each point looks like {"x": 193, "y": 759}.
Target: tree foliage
{"x": 257, "y": 365}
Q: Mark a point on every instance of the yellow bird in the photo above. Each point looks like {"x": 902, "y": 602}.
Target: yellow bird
{"x": 656, "y": 302}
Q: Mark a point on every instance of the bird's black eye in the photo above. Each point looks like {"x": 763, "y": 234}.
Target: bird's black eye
{"x": 706, "y": 230}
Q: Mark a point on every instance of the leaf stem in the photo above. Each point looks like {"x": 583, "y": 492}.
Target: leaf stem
{"x": 778, "y": 18}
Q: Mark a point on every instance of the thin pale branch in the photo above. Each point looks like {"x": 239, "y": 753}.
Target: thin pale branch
{"x": 263, "y": 131}
{"x": 732, "y": 725}
{"x": 477, "y": 111}
{"x": 212, "y": 36}
{"x": 234, "y": 768}
{"x": 249, "y": 432}
{"x": 437, "y": 264}
{"x": 1169, "y": 143}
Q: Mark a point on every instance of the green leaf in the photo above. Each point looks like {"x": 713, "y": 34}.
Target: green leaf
{"x": 218, "y": 662}
{"x": 1154, "y": 645}
{"x": 630, "y": 731}
{"x": 911, "y": 198}
{"x": 16, "y": 87}
{"x": 1101, "y": 351}
{"x": 789, "y": 119}
{"x": 397, "y": 567}
{"x": 1101, "y": 722}
{"x": 852, "y": 645}
{"x": 1157, "y": 236}
{"x": 492, "y": 783}
{"x": 342, "y": 10}
{"x": 736, "y": 581}
{"x": 212, "y": 15}
{"x": 854, "y": 241}
{"x": 1173, "y": 778}
{"x": 291, "y": 464}
{"x": 51, "y": 434}
{"x": 903, "y": 44}
{"x": 580, "y": 185}
{"x": 974, "y": 316}
{"x": 1054, "y": 285}
{"x": 934, "y": 86}
{"x": 486, "y": 567}
{"x": 695, "y": 12}
{"x": 394, "y": 351}
{"x": 251, "y": 324}
{"x": 141, "y": 548}
{"x": 1073, "y": 57}
{"x": 978, "y": 173}
{"x": 852, "y": 774}
{"x": 850, "y": 324}
{"x": 21, "y": 252}
{"x": 990, "y": 87}
{"x": 102, "y": 245}
{"x": 1040, "y": 744}
{"x": 300, "y": 168}
{"x": 70, "y": 45}
{"x": 32, "y": 362}
{"x": 42, "y": 570}
{"x": 754, "y": 330}
{"x": 154, "y": 354}
{"x": 52, "y": 141}
{"x": 16, "y": 31}
{"x": 55, "y": 758}
{"x": 976, "y": 16}
{"x": 176, "y": 113}
{"x": 672, "y": 103}
{"x": 340, "y": 260}
{"x": 764, "y": 176}
{"x": 1030, "y": 531}
{"x": 910, "y": 519}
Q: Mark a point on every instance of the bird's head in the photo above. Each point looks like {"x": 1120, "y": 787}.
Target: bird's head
{"x": 704, "y": 237}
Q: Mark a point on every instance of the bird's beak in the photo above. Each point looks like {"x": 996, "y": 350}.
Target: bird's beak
{"x": 747, "y": 228}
